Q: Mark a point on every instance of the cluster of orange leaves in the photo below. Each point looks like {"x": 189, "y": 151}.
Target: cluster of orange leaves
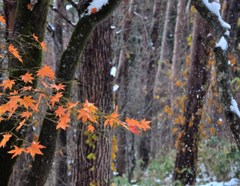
{"x": 87, "y": 112}
{"x": 21, "y": 103}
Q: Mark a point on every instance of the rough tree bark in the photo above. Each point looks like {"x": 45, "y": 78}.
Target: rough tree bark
{"x": 96, "y": 86}
{"x": 186, "y": 159}
{"x": 122, "y": 79}
{"x": 151, "y": 64}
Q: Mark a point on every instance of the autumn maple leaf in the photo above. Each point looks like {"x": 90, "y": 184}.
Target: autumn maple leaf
{"x": 8, "y": 84}
{"x": 15, "y": 52}
{"x": 43, "y": 46}
{"x": 28, "y": 102}
{"x": 16, "y": 151}
{"x": 60, "y": 111}
{"x": 111, "y": 119}
{"x": 26, "y": 114}
{"x": 35, "y": 149}
{"x": 93, "y": 10}
{"x": 21, "y": 124}
{"x": 56, "y": 98}
{"x": 27, "y": 78}
{"x": 5, "y": 139}
{"x": 57, "y": 87}
{"x": 46, "y": 71}
{"x": 63, "y": 121}
{"x": 144, "y": 125}
{"x": 90, "y": 128}
{"x": 2, "y": 20}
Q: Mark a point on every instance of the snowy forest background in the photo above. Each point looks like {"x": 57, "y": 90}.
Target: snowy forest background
{"x": 155, "y": 59}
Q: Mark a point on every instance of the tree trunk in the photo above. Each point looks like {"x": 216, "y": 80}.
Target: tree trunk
{"x": 61, "y": 157}
{"x": 188, "y": 138}
{"x": 96, "y": 86}
{"x": 122, "y": 79}
{"x": 178, "y": 59}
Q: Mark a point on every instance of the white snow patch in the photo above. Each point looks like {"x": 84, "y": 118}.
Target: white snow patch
{"x": 234, "y": 107}
{"x": 232, "y": 182}
{"x": 222, "y": 43}
{"x": 113, "y": 71}
{"x": 115, "y": 87}
{"x": 98, "y": 4}
{"x": 215, "y": 7}
{"x": 68, "y": 7}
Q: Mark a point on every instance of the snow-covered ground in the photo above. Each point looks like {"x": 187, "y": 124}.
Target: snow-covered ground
{"x": 232, "y": 182}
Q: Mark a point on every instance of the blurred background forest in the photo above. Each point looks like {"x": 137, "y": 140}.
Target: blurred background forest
{"x": 161, "y": 66}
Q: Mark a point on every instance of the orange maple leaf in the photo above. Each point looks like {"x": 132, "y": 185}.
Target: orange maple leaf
{"x": 57, "y": 87}
{"x": 63, "y": 121}
{"x": 5, "y": 139}
{"x": 113, "y": 118}
{"x": 21, "y": 124}
{"x": 35, "y": 149}
{"x": 60, "y": 111}
{"x": 2, "y": 20}
{"x": 15, "y": 52}
{"x": 90, "y": 128}
{"x": 7, "y": 84}
{"x": 27, "y": 78}
{"x": 26, "y": 114}
{"x": 134, "y": 129}
{"x": 71, "y": 105}
{"x": 144, "y": 125}
{"x": 55, "y": 98}
{"x": 43, "y": 46}
{"x": 16, "y": 151}
{"x": 46, "y": 71}
{"x": 28, "y": 102}
{"x": 85, "y": 116}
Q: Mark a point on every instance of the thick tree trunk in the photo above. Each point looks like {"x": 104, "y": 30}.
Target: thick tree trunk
{"x": 95, "y": 86}
{"x": 187, "y": 142}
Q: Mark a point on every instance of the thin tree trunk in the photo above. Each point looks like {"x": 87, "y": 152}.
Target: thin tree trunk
{"x": 123, "y": 89}
{"x": 61, "y": 160}
{"x": 96, "y": 86}
{"x": 188, "y": 139}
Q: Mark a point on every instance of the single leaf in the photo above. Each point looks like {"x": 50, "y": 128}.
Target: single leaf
{"x": 5, "y": 139}
{"x": 7, "y": 84}
{"x": 35, "y": 149}
{"x": 2, "y": 20}
{"x": 90, "y": 128}
{"x": 60, "y": 111}
{"x": 27, "y": 78}
{"x": 63, "y": 121}
{"x": 26, "y": 114}
{"x": 28, "y": 102}
{"x": 55, "y": 98}
{"x": 15, "y": 52}
{"x": 16, "y": 151}
{"x": 57, "y": 87}
{"x": 46, "y": 71}
{"x": 21, "y": 124}
{"x": 111, "y": 119}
